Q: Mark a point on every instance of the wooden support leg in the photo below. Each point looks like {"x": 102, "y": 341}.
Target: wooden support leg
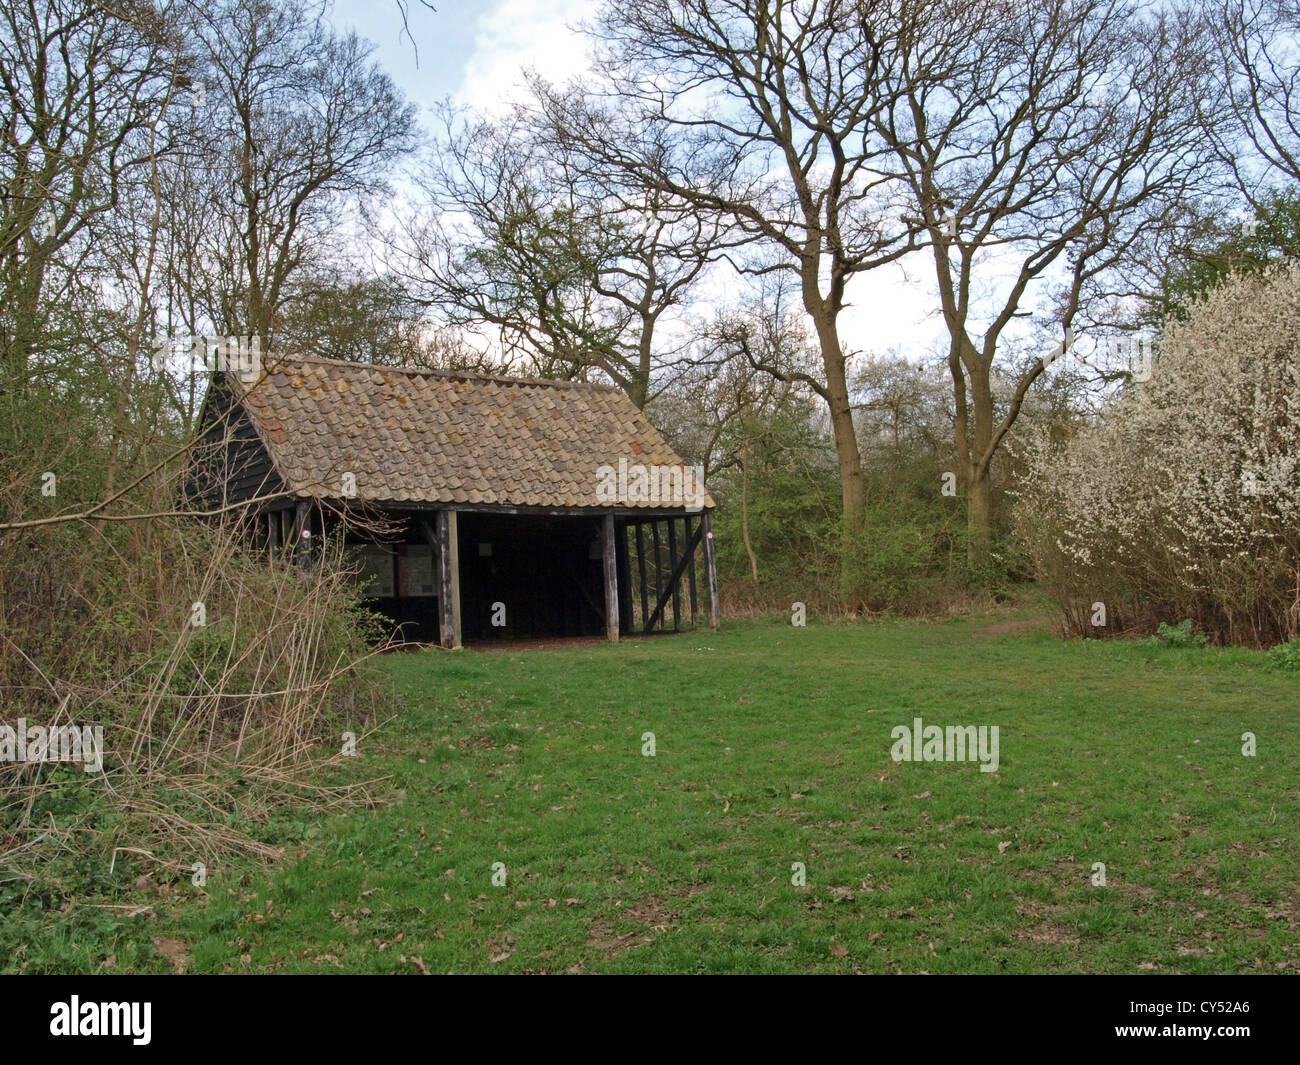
{"x": 690, "y": 550}
{"x": 659, "y": 582}
{"x": 624, "y": 579}
{"x": 302, "y": 534}
{"x": 611, "y": 579}
{"x": 672, "y": 568}
{"x": 448, "y": 580}
{"x": 711, "y": 565}
{"x": 640, "y": 557}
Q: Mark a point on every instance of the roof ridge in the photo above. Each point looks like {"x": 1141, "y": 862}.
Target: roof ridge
{"x": 550, "y": 382}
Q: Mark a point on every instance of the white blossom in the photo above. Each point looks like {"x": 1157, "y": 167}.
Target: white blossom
{"x": 1184, "y": 500}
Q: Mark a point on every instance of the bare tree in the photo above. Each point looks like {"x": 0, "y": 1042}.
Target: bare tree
{"x": 760, "y": 112}
{"x": 298, "y": 123}
{"x": 84, "y": 90}
{"x": 902, "y": 410}
{"x": 1259, "y": 46}
{"x": 746, "y": 399}
{"x": 573, "y": 267}
{"x": 1050, "y": 150}
{"x": 342, "y": 313}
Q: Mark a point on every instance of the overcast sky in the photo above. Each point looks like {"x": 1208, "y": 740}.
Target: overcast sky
{"x": 473, "y": 52}
{"x": 470, "y": 51}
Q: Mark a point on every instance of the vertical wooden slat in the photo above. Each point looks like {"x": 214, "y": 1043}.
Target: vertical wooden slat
{"x": 611, "y": 579}
{"x": 448, "y": 580}
{"x": 659, "y": 588}
{"x": 302, "y": 524}
{"x": 711, "y": 564}
{"x": 672, "y": 568}
{"x": 640, "y": 556}
{"x": 624, "y": 579}
{"x": 453, "y": 549}
{"x": 691, "y": 568}
{"x": 446, "y": 628}
{"x": 429, "y": 530}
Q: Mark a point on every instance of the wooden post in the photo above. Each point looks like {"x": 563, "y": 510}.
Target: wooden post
{"x": 674, "y": 579}
{"x": 448, "y": 580}
{"x": 672, "y": 568}
{"x": 624, "y": 579}
{"x": 453, "y": 552}
{"x": 711, "y": 565}
{"x": 640, "y": 557}
{"x": 302, "y": 534}
{"x": 659, "y": 582}
{"x": 429, "y": 530}
{"x": 690, "y": 548}
{"x": 611, "y": 579}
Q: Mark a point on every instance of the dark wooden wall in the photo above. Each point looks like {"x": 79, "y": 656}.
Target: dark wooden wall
{"x": 546, "y": 571}
{"x": 665, "y": 560}
{"x": 541, "y": 570}
{"x": 229, "y": 463}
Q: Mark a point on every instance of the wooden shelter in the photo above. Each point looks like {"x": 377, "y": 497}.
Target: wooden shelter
{"x": 521, "y": 507}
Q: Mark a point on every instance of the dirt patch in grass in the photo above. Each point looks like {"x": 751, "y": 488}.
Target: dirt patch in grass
{"x": 540, "y": 643}
{"x": 1044, "y": 930}
{"x": 649, "y": 913}
{"x": 174, "y": 951}
{"x": 1003, "y": 628}
{"x": 561, "y": 643}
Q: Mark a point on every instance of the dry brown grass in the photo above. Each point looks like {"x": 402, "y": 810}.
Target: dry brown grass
{"x": 207, "y": 729}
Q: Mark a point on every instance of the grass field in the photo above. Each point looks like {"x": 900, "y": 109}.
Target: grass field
{"x": 773, "y": 748}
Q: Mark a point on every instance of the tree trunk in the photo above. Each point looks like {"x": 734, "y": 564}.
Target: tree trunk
{"x": 979, "y": 481}
{"x": 979, "y": 515}
{"x": 847, "y": 454}
{"x": 744, "y": 519}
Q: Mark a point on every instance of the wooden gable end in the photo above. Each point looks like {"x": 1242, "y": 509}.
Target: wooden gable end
{"x": 229, "y": 463}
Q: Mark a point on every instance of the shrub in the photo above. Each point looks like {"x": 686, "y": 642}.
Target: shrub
{"x": 1183, "y": 634}
{"x": 205, "y": 729}
{"x": 1184, "y": 499}
{"x": 1286, "y": 655}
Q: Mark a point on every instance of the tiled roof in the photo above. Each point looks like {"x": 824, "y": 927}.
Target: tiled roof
{"x": 411, "y": 435}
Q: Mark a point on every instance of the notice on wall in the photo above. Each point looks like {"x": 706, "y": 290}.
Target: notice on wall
{"x": 419, "y": 570}
{"x": 377, "y": 571}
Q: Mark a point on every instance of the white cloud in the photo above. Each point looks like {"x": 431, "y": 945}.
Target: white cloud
{"x": 516, "y": 34}
{"x": 892, "y": 308}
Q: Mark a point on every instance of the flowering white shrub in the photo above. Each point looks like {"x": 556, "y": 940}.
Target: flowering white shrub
{"x": 1184, "y": 500}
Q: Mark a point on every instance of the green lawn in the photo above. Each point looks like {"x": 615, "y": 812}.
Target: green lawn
{"x": 773, "y": 747}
